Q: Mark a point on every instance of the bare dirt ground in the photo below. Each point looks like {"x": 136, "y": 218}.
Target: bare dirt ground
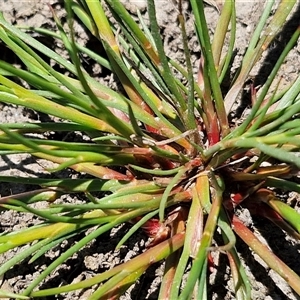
{"x": 100, "y": 254}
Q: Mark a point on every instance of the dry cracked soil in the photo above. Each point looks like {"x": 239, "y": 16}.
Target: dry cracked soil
{"x": 100, "y": 255}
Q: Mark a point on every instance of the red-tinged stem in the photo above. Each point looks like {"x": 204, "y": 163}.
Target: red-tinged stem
{"x": 266, "y": 255}
{"x": 269, "y": 212}
{"x": 234, "y": 271}
{"x": 170, "y": 269}
{"x": 177, "y": 223}
{"x": 209, "y": 229}
{"x": 214, "y": 130}
{"x": 212, "y": 126}
{"x": 144, "y": 260}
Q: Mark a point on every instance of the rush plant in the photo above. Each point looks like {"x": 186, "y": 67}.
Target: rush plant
{"x": 162, "y": 154}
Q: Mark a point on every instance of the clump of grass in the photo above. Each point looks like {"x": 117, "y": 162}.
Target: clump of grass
{"x": 163, "y": 154}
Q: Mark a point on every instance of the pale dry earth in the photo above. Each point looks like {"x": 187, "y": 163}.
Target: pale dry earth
{"x": 100, "y": 254}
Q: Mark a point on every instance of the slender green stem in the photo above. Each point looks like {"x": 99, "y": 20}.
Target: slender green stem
{"x": 190, "y": 117}
{"x": 258, "y": 44}
{"x": 198, "y": 9}
{"x": 194, "y": 229}
{"x": 174, "y": 181}
{"x": 147, "y": 258}
{"x": 207, "y": 236}
{"x": 165, "y": 69}
{"x": 241, "y": 129}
